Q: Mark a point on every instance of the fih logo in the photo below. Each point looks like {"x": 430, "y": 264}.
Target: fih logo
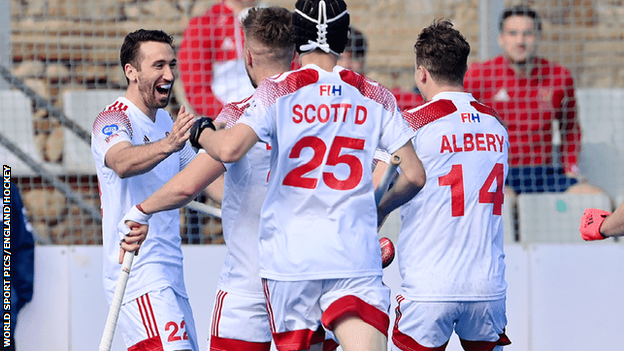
{"x": 470, "y": 118}
{"x": 330, "y": 90}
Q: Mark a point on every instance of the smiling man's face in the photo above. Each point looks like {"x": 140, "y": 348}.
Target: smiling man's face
{"x": 156, "y": 75}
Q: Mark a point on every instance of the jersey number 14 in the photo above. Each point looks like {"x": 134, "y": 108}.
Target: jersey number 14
{"x": 455, "y": 179}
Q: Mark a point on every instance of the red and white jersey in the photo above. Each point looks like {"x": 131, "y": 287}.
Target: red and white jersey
{"x": 450, "y": 246}
{"x": 319, "y": 220}
{"x": 244, "y": 190}
{"x": 159, "y": 263}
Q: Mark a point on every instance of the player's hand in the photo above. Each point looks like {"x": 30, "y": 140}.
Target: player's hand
{"x": 590, "y": 224}
{"x": 133, "y": 240}
{"x": 178, "y": 136}
{"x": 132, "y": 230}
{"x": 197, "y": 129}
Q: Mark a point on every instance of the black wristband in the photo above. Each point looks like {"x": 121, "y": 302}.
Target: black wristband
{"x": 197, "y": 128}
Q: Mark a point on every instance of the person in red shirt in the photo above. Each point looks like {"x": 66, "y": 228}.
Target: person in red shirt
{"x": 354, "y": 58}
{"x": 210, "y": 59}
{"x": 530, "y": 93}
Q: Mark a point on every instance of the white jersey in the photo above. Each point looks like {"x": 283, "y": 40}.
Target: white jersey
{"x": 159, "y": 263}
{"x": 319, "y": 219}
{"x": 244, "y": 190}
{"x": 450, "y": 246}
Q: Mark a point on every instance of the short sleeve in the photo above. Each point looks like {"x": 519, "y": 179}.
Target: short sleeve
{"x": 257, "y": 116}
{"x": 110, "y": 128}
{"x": 395, "y": 133}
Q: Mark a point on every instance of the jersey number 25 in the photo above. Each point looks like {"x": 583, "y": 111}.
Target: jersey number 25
{"x": 296, "y": 177}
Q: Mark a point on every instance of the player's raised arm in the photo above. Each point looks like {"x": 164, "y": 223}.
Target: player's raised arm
{"x": 185, "y": 185}
{"x": 409, "y": 183}
{"x": 227, "y": 145}
{"x": 598, "y": 224}
{"x": 128, "y": 160}
{"x": 613, "y": 225}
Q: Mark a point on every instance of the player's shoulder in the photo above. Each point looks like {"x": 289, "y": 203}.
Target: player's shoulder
{"x": 429, "y": 112}
{"x": 369, "y": 88}
{"x": 232, "y": 112}
{"x": 121, "y": 108}
{"x": 483, "y": 108}
{"x": 237, "y": 106}
{"x": 488, "y": 110}
{"x": 113, "y": 116}
{"x": 275, "y": 87}
{"x": 297, "y": 78}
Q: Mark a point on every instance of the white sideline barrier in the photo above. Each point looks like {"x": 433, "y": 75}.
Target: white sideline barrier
{"x": 560, "y": 297}
{"x": 555, "y": 217}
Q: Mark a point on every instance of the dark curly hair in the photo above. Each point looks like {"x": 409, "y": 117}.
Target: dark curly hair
{"x": 443, "y": 51}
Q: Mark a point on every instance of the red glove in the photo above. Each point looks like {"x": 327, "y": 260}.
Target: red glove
{"x": 590, "y": 224}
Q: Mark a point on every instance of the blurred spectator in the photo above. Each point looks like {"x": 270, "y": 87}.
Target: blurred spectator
{"x": 531, "y": 95}
{"x": 354, "y": 58}
{"x": 22, "y": 259}
{"x": 210, "y": 58}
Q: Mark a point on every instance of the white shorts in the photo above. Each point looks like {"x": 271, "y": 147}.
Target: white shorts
{"x": 158, "y": 318}
{"x": 298, "y": 310}
{"x": 479, "y": 325}
{"x": 239, "y": 323}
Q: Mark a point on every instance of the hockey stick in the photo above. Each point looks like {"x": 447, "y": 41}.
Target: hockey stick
{"x": 113, "y": 312}
{"x": 203, "y": 208}
{"x": 385, "y": 244}
{"x": 386, "y": 179}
